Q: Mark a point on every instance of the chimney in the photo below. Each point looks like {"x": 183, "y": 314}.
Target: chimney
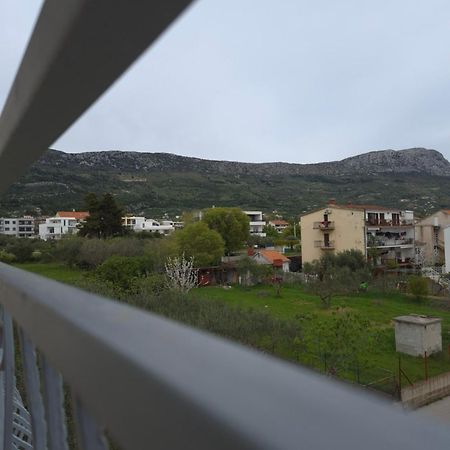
{"x": 332, "y": 201}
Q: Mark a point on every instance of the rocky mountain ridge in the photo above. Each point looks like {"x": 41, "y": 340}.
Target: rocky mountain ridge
{"x": 414, "y": 160}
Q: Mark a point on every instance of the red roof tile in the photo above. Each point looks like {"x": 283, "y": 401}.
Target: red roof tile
{"x": 272, "y": 255}
{"x": 80, "y": 215}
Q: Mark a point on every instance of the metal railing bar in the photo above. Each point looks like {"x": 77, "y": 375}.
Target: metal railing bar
{"x": 89, "y": 435}
{"x": 54, "y": 407}
{"x": 33, "y": 391}
{"x": 150, "y": 380}
{"x": 8, "y": 368}
{"x": 20, "y": 443}
{"x": 77, "y": 50}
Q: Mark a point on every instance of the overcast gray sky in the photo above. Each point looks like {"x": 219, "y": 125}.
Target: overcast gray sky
{"x": 267, "y": 80}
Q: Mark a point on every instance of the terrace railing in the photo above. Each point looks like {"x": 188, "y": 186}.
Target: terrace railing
{"x": 146, "y": 381}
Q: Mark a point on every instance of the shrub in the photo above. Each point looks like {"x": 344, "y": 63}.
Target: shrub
{"x": 418, "y": 286}
{"x": 122, "y": 270}
{"x": 22, "y": 249}
{"x": 67, "y": 249}
{"x": 6, "y": 257}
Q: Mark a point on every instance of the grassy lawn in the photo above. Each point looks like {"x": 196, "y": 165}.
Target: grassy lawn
{"x": 55, "y": 271}
{"x": 380, "y": 309}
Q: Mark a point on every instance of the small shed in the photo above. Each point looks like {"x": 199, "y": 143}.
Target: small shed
{"x": 415, "y": 335}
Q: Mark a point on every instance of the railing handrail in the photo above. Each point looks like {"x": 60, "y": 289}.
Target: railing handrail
{"x": 156, "y": 383}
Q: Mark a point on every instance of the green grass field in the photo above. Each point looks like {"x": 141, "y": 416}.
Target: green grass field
{"x": 380, "y": 309}
{"x": 55, "y": 271}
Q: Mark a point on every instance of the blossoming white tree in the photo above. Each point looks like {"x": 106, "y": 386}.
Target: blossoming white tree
{"x": 181, "y": 275}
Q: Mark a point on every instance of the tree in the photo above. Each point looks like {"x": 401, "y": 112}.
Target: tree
{"x": 180, "y": 273}
{"x": 253, "y": 273}
{"x": 231, "y": 223}
{"x": 271, "y": 232}
{"x": 336, "y": 274}
{"x": 105, "y": 217}
{"x": 197, "y": 241}
{"x": 418, "y": 286}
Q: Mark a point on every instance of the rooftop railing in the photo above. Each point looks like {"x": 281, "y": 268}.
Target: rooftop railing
{"x": 145, "y": 381}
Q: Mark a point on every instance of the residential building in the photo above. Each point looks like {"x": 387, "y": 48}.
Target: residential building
{"x": 390, "y": 235}
{"x": 139, "y": 223}
{"x": 279, "y": 224}
{"x": 382, "y": 234}
{"x": 447, "y": 249}
{"x": 430, "y": 237}
{"x": 17, "y": 226}
{"x": 275, "y": 259}
{"x": 63, "y": 223}
{"x": 256, "y": 223}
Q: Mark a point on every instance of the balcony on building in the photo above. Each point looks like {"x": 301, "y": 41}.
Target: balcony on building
{"x": 324, "y": 245}
{"x": 324, "y": 225}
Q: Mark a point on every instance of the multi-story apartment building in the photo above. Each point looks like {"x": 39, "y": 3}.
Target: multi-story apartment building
{"x": 430, "y": 237}
{"x": 139, "y": 223}
{"x": 382, "y": 234}
{"x": 256, "y": 223}
{"x": 17, "y": 226}
{"x": 65, "y": 222}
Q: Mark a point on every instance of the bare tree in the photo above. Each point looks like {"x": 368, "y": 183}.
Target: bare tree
{"x": 180, "y": 273}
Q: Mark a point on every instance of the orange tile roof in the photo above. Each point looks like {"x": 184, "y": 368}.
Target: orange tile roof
{"x": 272, "y": 255}
{"x": 80, "y": 215}
{"x": 279, "y": 222}
{"x": 373, "y": 207}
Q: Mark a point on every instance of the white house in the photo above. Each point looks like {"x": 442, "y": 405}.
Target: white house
{"x": 279, "y": 224}
{"x": 17, "y": 226}
{"x": 65, "y": 222}
{"x": 139, "y": 223}
{"x": 257, "y": 223}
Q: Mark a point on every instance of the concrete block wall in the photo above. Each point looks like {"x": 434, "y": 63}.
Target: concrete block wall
{"x": 424, "y": 392}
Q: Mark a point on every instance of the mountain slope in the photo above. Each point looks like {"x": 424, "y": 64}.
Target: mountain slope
{"x": 153, "y": 183}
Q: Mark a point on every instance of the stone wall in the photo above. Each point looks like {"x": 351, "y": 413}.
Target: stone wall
{"x": 424, "y": 392}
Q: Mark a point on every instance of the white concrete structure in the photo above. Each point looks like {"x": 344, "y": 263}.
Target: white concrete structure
{"x": 17, "y": 226}
{"x": 64, "y": 222}
{"x": 257, "y": 223}
{"x": 56, "y": 227}
{"x": 415, "y": 335}
{"x": 139, "y": 223}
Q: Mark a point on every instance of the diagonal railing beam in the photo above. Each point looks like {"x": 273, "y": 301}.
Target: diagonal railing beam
{"x": 77, "y": 50}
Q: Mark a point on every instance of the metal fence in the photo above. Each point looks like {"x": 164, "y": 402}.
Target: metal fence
{"x": 147, "y": 381}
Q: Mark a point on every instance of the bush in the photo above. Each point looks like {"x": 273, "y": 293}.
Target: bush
{"x": 67, "y": 250}
{"x": 22, "y": 249}
{"x": 6, "y": 257}
{"x": 418, "y": 286}
{"x": 122, "y": 270}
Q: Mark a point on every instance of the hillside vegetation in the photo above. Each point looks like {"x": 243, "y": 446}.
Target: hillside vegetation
{"x": 154, "y": 183}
